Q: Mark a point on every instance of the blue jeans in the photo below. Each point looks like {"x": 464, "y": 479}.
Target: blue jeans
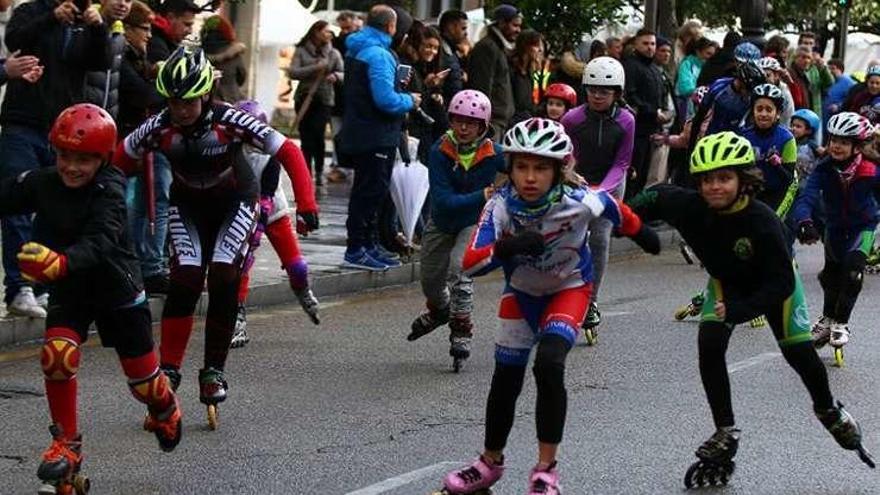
{"x": 21, "y": 149}
{"x": 150, "y": 247}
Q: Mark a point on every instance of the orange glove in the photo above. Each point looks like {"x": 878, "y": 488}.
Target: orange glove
{"x": 40, "y": 264}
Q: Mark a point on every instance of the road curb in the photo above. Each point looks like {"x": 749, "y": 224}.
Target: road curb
{"x": 20, "y": 330}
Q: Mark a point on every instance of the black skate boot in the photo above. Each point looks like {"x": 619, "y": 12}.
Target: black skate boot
{"x": 173, "y": 375}
{"x": 427, "y": 322}
{"x": 59, "y": 469}
{"x": 461, "y": 331}
{"x": 716, "y": 464}
{"x": 239, "y": 334}
{"x": 591, "y": 324}
{"x": 309, "y": 303}
{"x": 845, "y": 430}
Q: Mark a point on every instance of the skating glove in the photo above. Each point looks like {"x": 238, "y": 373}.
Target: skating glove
{"x": 529, "y": 243}
{"x": 647, "y": 239}
{"x": 306, "y": 222}
{"x": 40, "y": 264}
{"x": 807, "y": 233}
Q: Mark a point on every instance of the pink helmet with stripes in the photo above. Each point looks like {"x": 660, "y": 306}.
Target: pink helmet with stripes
{"x": 471, "y": 103}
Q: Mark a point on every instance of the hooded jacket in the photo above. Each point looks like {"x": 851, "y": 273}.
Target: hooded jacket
{"x": 66, "y": 53}
{"x": 374, "y": 106}
{"x": 161, "y": 45}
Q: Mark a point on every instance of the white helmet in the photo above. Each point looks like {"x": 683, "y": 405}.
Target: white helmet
{"x": 769, "y": 63}
{"x": 541, "y": 137}
{"x": 604, "y": 71}
{"x": 850, "y": 125}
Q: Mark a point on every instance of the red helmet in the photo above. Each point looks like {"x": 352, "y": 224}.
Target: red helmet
{"x": 84, "y": 127}
{"x": 563, "y": 92}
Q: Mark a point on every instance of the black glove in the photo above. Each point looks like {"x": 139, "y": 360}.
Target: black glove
{"x": 529, "y": 243}
{"x": 647, "y": 239}
{"x": 807, "y": 233}
{"x": 306, "y": 222}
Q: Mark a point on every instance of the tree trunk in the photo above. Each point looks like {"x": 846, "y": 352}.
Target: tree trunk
{"x": 667, "y": 23}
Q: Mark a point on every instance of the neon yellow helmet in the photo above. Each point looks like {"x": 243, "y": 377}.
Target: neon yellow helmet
{"x": 722, "y": 150}
{"x": 187, "y": 74}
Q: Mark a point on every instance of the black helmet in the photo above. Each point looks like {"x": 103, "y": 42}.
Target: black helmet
{"x": 750, "y": 74}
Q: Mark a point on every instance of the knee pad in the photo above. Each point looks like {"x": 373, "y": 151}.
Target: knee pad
{"x": 60, "y": 354}
{"x": 853, "y": 282}
{"x": 550, "y": 359}
{"x": 151, "y": 390}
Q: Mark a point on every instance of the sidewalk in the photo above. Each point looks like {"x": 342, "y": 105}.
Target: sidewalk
{"x": 323, "y": 250}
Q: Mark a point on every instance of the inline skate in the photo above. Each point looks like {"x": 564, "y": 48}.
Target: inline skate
{"x": 846, "y": 431}
{"x": 716, "y": 464}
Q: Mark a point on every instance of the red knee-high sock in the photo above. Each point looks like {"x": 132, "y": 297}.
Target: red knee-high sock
{"x": 146, "y": 382}
{"x": 60, "y": 361}
{"x": 175, "y": 337}
{"x": 283, "y": 239}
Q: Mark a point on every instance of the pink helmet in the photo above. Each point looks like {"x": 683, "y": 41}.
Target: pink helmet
{"x": 471, "y": 103}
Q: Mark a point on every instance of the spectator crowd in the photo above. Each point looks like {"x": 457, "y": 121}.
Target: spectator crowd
{"x": 382, "y": 77}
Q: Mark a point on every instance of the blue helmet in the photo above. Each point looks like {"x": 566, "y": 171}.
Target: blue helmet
{"x": 746, "y": 51}
{"x": 809, "y": 117}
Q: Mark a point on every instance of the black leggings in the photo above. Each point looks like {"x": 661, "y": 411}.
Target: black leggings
{"x": 552, "y": 398}
{"x": 311, "y": 128}
{"x": 713, "y": 339}
{"x": 841, "y": 283}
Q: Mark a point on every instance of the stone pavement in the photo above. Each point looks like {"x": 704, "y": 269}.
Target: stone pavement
{"x": 323, "y": 250}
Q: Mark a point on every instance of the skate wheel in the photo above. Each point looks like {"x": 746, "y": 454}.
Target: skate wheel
{"x": 866, "y": 457}
{"x": 47, "y": 489}
{"x": 591, "y": 336}
{"x": 213, "y": 417}
{"x": 838, "y": 357}
{"x": 456, "y": 365}
{"x": 681, "y": 313}
{"x": 689, "y": 479}
{"x": 81, "y": 484}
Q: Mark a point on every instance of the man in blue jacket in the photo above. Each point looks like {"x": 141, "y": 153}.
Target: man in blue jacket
{"x": 375, "y": 107}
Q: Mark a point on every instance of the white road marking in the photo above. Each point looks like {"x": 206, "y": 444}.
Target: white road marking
{"x": 752, "y": 361}
{"x": 615, "y": 313}
{"x": 404, "y": 479}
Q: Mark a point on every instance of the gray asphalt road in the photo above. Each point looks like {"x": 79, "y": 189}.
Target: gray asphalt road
{"x": 352, "y": 407}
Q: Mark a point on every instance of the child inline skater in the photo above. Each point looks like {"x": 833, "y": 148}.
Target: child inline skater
{"x": 535, "y": 228}
{"x": 742, "y": 244}
{"x": 804, "y": 126}
{"x": 602, "y": 132}
{"x": 82, "y": 248}
{"x": 213, "y": 207}
{"x": 274, "y": 221}
{"x": 462, "y": 166}
{"x": 558, "y": 99}
{"x": 776, "y": 155}
{"x": 844, "y": 182}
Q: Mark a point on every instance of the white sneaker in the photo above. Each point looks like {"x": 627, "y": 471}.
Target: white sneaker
{"x": 839, "y": 334}
{"x": 43, "y": 300}
{"x": 24, "y": 304}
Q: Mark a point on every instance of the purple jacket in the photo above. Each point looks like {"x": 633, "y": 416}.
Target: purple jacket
{"x": 603, "y": 144}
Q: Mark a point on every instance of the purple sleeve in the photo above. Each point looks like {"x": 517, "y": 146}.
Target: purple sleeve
{"x": 617, "y": 173}
{"x": 569, "y": 121}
